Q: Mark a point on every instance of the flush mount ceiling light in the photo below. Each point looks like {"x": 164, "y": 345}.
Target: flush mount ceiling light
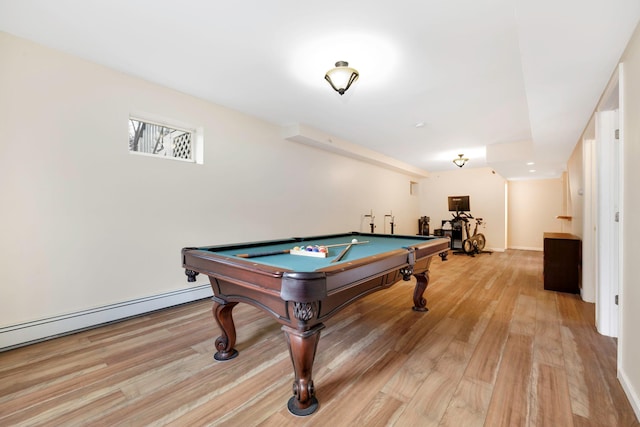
{"x": 341, "y": 77}
{"x": 460, "y": 161}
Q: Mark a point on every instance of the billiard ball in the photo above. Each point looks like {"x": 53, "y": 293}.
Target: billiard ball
{"x": 354, "y": 241}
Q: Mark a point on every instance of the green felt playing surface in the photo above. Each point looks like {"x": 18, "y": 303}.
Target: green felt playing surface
{"x": 376, "y": 245}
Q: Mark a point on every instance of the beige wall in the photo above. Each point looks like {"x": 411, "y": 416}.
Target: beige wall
{"x": 575, "y": 203}
{"x": 486, "y": 191}
{"x": 532, "y": 209}
{"x": 629, "y": 342}
{"x": 85, "y": 224}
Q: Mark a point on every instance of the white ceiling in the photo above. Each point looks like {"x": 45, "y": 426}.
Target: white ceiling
{"x": 525, "y": 74}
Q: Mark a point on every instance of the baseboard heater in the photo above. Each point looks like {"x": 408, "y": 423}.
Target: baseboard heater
{"x": 26, "y": 333}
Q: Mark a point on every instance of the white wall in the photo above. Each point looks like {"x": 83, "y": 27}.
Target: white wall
{"x": 486, "y": 191}
{"x": 532, "y": 209}
{"x": 581, "y": 173}
{"x": 576, "y": 205}
{"x": 85, "y": 224}
{"x": 629, "y": 342}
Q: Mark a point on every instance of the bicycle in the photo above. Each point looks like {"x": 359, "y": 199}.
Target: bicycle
{"x": 474, "y": 242}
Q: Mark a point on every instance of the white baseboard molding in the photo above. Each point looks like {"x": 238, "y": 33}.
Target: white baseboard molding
{"x": 633, "y": 397}
{"x": 526, "y": 248}
{"x": 22, "y": 334}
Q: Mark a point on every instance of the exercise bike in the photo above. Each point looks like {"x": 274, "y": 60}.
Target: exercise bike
{"x": 474, "y": 243}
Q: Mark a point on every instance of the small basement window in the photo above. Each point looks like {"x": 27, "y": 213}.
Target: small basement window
{"x": 163, "y": 140}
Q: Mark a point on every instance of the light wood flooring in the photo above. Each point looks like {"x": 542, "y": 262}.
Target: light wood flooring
{"x": 495, "y": 349}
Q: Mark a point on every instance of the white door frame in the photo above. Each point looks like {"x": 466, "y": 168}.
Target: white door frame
{"x": 609, "y": 184}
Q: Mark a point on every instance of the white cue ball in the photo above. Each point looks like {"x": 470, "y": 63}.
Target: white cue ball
{"x": 354, "y": 241}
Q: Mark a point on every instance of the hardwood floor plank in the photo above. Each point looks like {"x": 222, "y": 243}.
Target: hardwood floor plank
{"x": 429, "y": 403}
{"x": 552, "y": 393}
{"x": 247, "y": 403}
{"x": 593, "y": 386}
{"x": 358, "y": 391}
{"x": 523, "y": 321}
{"x": 79, "y": 415}
{"x": 382, "y": 410}
{"x": 484, "y": 362}
{"x": 454, "y": 359}
{"x": 548, "y": 339}
{"x": 509, "y": 403}
{"x": 280, "y": 419}
{"x": 576, "y": 375}
{"x": 406, "y": 381}
{"x": 569, "y": 308}
{"x": 474, "y": 317}
{"x": 36, "y": 353}
{"x": 226, "y": 386}
{"x": 25, "y": 380}
{"x": 548, "y": 344}
{"x": 468, "y": 406}
{"x": 74, "y": 392}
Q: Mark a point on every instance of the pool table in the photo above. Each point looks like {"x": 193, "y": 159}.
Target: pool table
{"x": 302, "y": 292}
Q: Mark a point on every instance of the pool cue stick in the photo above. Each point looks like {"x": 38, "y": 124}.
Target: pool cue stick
{"x": 343, "y": 253}
{"x": 345, "y": 244}
{"x": 286, "y": 251}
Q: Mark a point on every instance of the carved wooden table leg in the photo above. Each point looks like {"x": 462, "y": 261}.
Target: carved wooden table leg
{"x": 222, "y": 312}
{"x": 302, "y": 348}
{"x": 419, "y": 302}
